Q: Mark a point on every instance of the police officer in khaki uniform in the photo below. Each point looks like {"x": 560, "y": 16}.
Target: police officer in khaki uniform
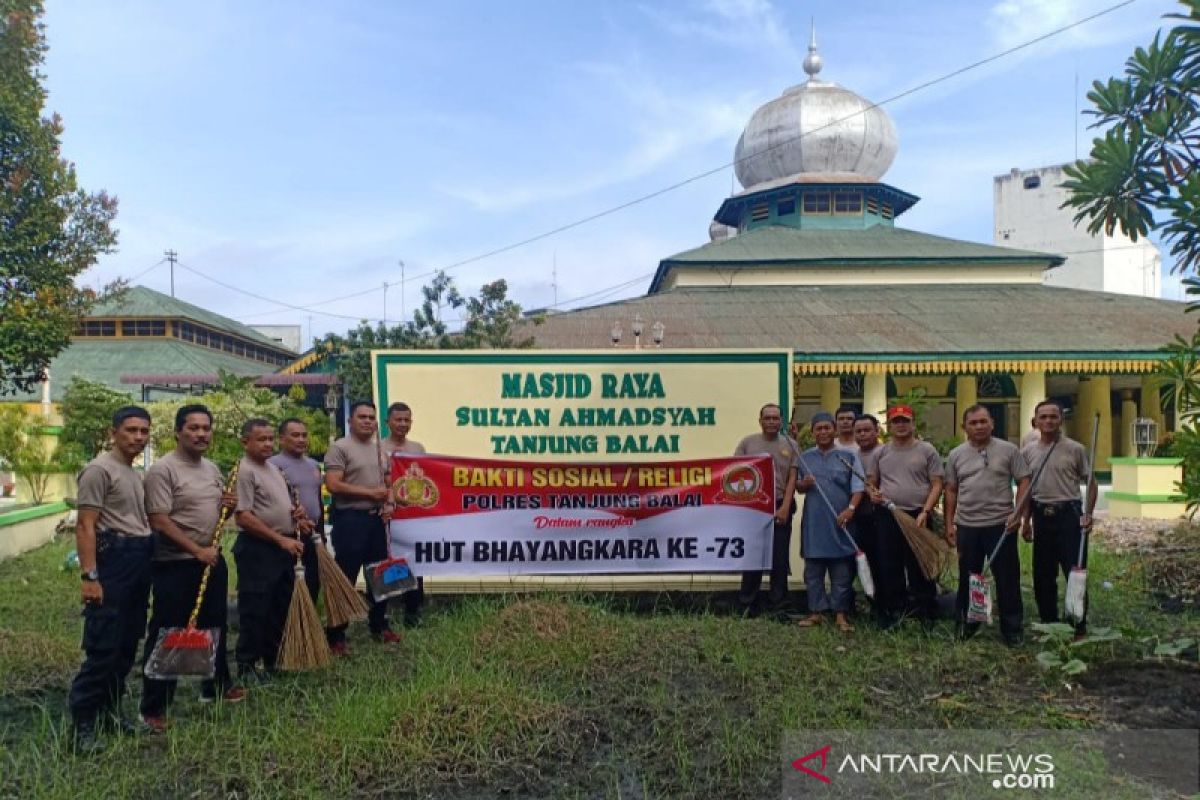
{"x": 783, "y": 451}
{"x": 354, "y": 475}
{"x": 112, "y": 537}
{"x": 265, "y": 553}
{"x": 1058, "y": 517}
{"x": 399, "y": 423}
{"x": 980, "y": 515}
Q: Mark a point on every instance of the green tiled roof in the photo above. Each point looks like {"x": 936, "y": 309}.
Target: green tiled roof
{"x": 881, "y": 245}
{"x": 105, "y": 361}
{"x": 139, "y": 301}
{"x": 866, "y": 321}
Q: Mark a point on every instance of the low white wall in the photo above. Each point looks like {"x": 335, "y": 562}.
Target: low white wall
{"x": 24, "y": 535}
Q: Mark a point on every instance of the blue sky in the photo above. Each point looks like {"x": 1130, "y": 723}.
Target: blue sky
{"x": 299, "y": 150}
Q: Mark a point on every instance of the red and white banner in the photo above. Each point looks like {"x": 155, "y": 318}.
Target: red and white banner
{"x": 467, "y": 516}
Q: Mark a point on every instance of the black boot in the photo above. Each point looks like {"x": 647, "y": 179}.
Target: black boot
{"x": 85, "y": 741}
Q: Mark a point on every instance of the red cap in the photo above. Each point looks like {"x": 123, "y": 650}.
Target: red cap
{"x": 900, "y": 411}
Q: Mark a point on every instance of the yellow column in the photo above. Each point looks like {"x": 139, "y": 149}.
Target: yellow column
{"x": 1095, "y": 396}
{"x": 875, "y": 394}
{"x": 831, "y": 394}
{"x": 1129, "y": 412}
{"x": 1149, "y": 406}
{"x": 965, "y": 396}
{"x": 1033, "y": 391}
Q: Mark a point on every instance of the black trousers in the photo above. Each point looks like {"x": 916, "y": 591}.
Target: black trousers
{"x": 975, "y": 545}
{"x": 312, "y": 574}
{"x": 1055, "y": 549}
{"x": 781, "y": 539}
{"x": 175, "y": 586}
{"x": 866, "y": 533}
{"x": 266, "y": 577}
{"x": 111, "y": 630}
{"x": 903, "y": 588}
{"x": 360, "y": 538}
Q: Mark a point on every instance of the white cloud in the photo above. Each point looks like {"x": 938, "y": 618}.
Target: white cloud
{"x": 1014, "y": 22}
{"x": 754, "y": 24}
{"x": 661, "y": 122}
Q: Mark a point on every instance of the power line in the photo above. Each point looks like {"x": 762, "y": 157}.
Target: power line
{"x": 702, "y": 175}
{"x": 256, "y": 296}
{"x": 147, "y": 270}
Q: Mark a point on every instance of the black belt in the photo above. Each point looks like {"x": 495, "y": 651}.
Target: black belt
{"x": 1054, "y": 509}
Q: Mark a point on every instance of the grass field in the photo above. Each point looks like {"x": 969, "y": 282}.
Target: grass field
{"x": 565, "y": 696}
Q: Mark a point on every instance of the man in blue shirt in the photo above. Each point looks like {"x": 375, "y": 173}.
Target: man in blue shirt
{"x": 833, "y": 492}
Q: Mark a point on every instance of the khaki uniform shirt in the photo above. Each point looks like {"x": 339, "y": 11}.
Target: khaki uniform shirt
{"x": 984, "y": 479}
{"x": 904, "y": 474}
{"x": 189, "y": 492}
{"x": 115, "y": 489}
{"x": 783, "y": 450}
{"x": 263, "y": 492}
{"x": 361, "y": 464}
{"x": 1067, "y": 468}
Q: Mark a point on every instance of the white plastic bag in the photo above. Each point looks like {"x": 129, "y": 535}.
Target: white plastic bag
{"x": 864, "y": 573}
{"x": 1076, "y": 604}
{"x": 979, "y": 599}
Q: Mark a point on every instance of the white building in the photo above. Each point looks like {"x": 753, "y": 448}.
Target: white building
{"x": 1028, "y": 214}
{"x": 290, "y": 336}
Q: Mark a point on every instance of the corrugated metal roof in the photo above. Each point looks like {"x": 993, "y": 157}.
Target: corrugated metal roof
{"x": 883, "y": 244}
{"x": 881, "y": 320}
{"x": 106, "y": 361}
{"x": 140, "y": 301}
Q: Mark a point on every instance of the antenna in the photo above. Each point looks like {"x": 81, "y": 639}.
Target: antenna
{"x": 554, "y": 277}
{"x": 1076, "y": 112}
{"x": 172, "y": 257}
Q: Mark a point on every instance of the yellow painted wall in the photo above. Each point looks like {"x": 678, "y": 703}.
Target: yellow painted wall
{"x": 934, "y": 385}
{"x": 440, "y": 385}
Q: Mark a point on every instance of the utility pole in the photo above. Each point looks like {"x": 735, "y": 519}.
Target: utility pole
{"x": 403, "y": 311}
{"x": 385, "y": 288}
{"x": 172, "y": 257}
{"x": 554, "y": 278}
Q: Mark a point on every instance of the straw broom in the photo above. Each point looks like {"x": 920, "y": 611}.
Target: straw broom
{"x": 191, "y": 651}
{"x": 932, "y": 552}
{"x": 343, "y": 604}
{"x": 304, "y": 645}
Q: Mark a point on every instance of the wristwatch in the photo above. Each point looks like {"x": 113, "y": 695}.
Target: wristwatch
{"x": 91, "y": 576}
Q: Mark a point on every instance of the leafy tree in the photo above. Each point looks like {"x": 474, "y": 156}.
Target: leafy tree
{"x": 87, "y": 409}
{"x": 1143, "y": 176}
{"x": 24, "y": 449}
{"x": 1145, "y": 163}
{"x": 232, "y": 402}
{"x": 492, "y": 321}
{"x": 50, "y": 229}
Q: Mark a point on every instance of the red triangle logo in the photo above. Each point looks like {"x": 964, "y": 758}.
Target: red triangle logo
{"x": 822, "y": 754}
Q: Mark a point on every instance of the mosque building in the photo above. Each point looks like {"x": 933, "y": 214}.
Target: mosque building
{"x": 809, "y": 257}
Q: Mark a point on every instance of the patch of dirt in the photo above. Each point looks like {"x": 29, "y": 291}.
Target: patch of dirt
{"x": 1143, "y": 694}
{"x": 548, "y": 634}
{"x": 32, "y": 662}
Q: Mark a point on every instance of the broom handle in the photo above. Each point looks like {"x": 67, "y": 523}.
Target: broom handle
{"x": 829, "y": 505}
{"x": 230, "y": 482}
{"x": 1087, "y": 487}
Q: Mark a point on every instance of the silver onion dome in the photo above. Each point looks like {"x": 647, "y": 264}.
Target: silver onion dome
{"x": 816, "y": 129}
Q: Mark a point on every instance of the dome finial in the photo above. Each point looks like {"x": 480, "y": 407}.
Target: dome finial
{"x": 812, "y": 61}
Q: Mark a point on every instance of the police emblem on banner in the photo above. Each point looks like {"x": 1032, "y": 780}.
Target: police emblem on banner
{"x": 741, "y": 483}
{"x": 414, "y": 489}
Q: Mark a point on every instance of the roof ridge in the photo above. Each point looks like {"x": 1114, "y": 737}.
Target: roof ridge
{"x": 158, "y": 303}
